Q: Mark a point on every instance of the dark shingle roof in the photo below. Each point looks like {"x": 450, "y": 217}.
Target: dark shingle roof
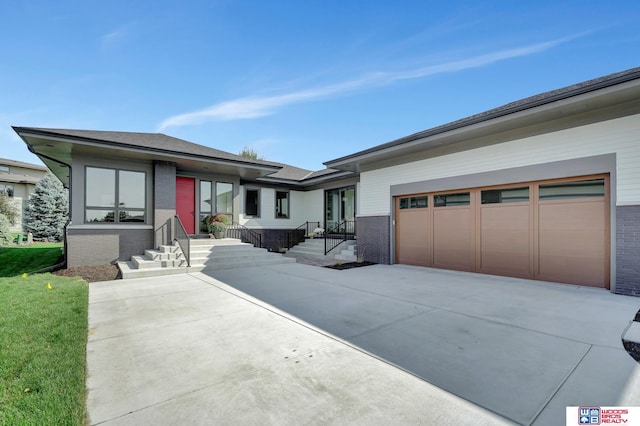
{"x": 289, "y": 172}
{"x": 299, "y": 175}
{"x": 322, "y": 173}
{"x": 150, "y": 141}
{"x": 510, "y": 108}
{"x": 162, "y": 143}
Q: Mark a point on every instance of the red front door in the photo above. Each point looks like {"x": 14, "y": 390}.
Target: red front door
{"x": 186, "y": 203}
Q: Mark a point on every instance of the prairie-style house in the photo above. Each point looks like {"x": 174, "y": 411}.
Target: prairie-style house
{"x": 544, "y": 188}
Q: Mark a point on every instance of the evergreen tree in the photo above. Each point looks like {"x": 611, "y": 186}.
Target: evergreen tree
{"x": 8, "y": 209}
{"x": 47, "y": 210}
{"x": 5, "y": 236}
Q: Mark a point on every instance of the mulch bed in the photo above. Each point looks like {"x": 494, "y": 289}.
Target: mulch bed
{"x": 349, "y": 265}
{"x": 92, "y": 274}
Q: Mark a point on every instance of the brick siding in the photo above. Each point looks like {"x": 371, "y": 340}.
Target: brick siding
{"x": 373, "y": 238}
{"x": 628, "y": 250}
{"x": 90, "y": 247}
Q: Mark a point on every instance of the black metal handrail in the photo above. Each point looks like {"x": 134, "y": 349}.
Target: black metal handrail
{"x": 65, "y": 252}
{"x": 296, "y": 236}
{"x": 345, "y": 230}
{"x": 309, "y": 227}
{"x": 182, "y": 238}
{"x": 244, "y": 234}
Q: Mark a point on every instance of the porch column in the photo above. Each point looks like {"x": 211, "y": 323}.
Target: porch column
{"x": 164, "y": 201}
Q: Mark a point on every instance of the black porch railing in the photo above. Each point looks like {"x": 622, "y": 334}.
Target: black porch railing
{"x": 342, "y": 232}
{"x": 182, "y": 238}
{"x": 244, "y": 234}
{"x": 298, "y": 235}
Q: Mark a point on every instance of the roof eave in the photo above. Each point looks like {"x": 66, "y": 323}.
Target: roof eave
{"x": 307, "y": 182}
{"x": 25, "y": 132}
{"x": 352, "y": 162}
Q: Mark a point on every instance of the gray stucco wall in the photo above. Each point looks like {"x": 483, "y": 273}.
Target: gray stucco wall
{"x": 91, "y": 247}
{"x": 628, "y": 250}
{"x": 373, "y": 238}
{"x": 164, "y": 201}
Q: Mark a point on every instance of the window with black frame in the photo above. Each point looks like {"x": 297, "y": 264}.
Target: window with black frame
{"x": 224, "y": 198}
{"x": 449, "y": 200}
{"x": 114, "y": 196}
{"x": 419, "y": 202}
{"x": 282, "y": 205}
{"x": 252, "y": 202}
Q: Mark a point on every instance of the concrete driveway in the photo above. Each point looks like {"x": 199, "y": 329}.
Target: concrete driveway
{"x": 190, "y": 350}
{"x": 298, "y": 344}
{"x": 522, "y": 349}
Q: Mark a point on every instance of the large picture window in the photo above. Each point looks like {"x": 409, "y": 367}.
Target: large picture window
{"x": 114, "y": 196}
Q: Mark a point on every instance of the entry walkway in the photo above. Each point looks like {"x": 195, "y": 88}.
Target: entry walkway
{"x": 298, "y": 344}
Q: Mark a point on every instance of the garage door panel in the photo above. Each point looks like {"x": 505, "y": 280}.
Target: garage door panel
{"x": 578, "y": 270}
{"x": 452, "y": 238}
{"x": 505, "y": 241}
{"x": 580, "y": 216}
{"x": 412, "y": 231}
{"x": 572, "y": 242}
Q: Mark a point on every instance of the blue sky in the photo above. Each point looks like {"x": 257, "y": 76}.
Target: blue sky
{"x": 300, "y": 82}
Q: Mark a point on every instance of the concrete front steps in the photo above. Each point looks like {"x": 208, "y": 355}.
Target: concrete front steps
{"x": 165, "y": 260}
{"x": 210, "y": 254}
{"x": 229, "y": 253}
{"x": 347, "y": 251}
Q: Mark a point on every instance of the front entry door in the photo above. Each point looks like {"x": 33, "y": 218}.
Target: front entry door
{"x": 186, "y": 202}
{"x": 340, "y": 206}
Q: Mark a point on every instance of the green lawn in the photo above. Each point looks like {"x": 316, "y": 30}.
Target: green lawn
{"x": 16, "y": 260}
{"x": 43, "y": 334}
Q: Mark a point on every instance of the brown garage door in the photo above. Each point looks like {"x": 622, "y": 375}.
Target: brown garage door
{"x": 505, "y": 244}
{"x": 549, "y": 230}
{"x": 412, "y": 222}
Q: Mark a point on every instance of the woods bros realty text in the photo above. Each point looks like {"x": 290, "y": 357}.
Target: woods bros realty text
{"x": 594, "y": 415}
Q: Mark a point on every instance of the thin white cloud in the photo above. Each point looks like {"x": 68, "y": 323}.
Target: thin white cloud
{"x": 114, "y": 37}
{"x": 260, "y": 106}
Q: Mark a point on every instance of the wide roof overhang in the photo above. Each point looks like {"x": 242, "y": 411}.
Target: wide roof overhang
{"x": 580, "y": 105}
{"x": 58, "y": 151}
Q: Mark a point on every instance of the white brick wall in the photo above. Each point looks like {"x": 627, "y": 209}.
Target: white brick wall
{"x": 620, "y": 136}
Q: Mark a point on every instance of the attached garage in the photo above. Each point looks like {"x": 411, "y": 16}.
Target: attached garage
{"x": 544, "y": 188}
{"x": 555, "y": 230}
